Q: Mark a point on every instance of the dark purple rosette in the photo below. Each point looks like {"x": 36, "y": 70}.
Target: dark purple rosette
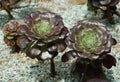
{"x": 90, "y": 42}
{"x": 38, "y": 33}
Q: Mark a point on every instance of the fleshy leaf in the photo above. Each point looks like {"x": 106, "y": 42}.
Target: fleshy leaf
{"x": 22, "y": 41}
{"x": 33, "y": 52}
{"x": 9, "y": 42}
{"x": 68, "y": 56}
{"x": 61, "y": 47}
{"x": 108, "y": 61}
{"x": 90, "y": 38}
{"x": 53, "y": 49}
{"x": 113, "y": 41}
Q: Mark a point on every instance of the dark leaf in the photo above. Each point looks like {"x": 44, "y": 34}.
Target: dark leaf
{"x": 22, "y": 41}
{"x": 68, "y": 56}
{"x": 61, "y": 47}
{"x": 100, "y": 50}
{"x": 95, "y": 3}
{"x": 33, "y": 52}
{"x": 113, "y": 41}
{"x": 108, "y": 61}
{"x": 50, "y": 39}
{"x": 64, "y": 32}
{"x": 105, "y": 2}
{"x": 57, "y": 20}
{"x": 56, "y": 31}
{"x": 35, "y": 16}
{"x": 22, "y": 30}
{"x": 9, "y": 42}
{"x": 114, "y": 2}
{"x": 53, "y": 49}
{"x": 28, "y": 20}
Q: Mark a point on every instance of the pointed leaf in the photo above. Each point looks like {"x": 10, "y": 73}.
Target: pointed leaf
{"x": 61, "y": 46}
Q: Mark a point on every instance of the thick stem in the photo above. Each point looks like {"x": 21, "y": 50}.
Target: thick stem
{"x": 83, "y": 77}
{"x": 95, "y": 72}
{"x": 80, "y": 70}
{"x": 6, "y": 7}
{"x": 10, "y": 15}
{"x": 108, "y": 13}
{"x": 110, "y": 17}
{"x": 52, "y": 67}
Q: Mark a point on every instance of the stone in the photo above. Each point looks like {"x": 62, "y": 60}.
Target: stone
{"x": 77, "y": 2}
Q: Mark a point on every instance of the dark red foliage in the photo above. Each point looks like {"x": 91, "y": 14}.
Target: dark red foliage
{"x": 68, "y": 56}
{"x": 108, "y": 61}
{"x": 37, "y": 33}
{"x": 107, "y": 6}
{"x": 88, "y": 71}
{"x": 88, "y": 66}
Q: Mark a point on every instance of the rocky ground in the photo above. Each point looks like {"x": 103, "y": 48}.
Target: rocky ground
{"x": 19, "y": 68}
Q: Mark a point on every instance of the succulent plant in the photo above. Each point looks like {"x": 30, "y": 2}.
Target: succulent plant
{"x": 90, "y": 42}
{"x": 107, "y": 6}
{"x": 11, "y": 35}
{"x": 38, "y": 33}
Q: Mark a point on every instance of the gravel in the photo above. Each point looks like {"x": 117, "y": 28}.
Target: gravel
{"x": 16, "y": 67}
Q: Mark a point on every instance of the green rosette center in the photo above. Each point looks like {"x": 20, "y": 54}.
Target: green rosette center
{"x": 43, "y": 28}
{"x": 88, "y": 39}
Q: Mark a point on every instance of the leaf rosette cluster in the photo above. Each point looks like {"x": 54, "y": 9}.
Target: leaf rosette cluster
{"x": 37, "y": 32}
{"x": 89, "y": 39}
{"x": 43, "y": 35}
{"x": 12, "y": 37}
{"x": 40, "y": 34}
{"x": 90, "y": 43}
{"x": 51, "y": 32}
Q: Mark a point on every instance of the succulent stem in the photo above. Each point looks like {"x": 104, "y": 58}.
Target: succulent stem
{"x": 109, "y": 15}
{"x": 97, "y": 75}
{"x": 52, "y": 67}
{"x": 83, "y": 75}
{"x": 10, "y": 15}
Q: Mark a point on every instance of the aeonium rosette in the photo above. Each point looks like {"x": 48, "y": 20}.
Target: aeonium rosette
{"x": 49, "y": 30}
{"x": 40, "y": 32}
{"x": 90, "y": 42}
{"x": 11, "y": 36}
